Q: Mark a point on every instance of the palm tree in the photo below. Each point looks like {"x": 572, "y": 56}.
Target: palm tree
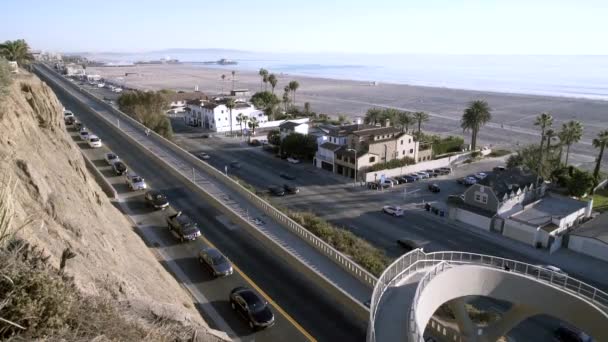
{"x": 549, "y": 135}
{"x": 253, "y": 124}
{"x": 272, "y": 79}
{"x": 307, "y": 108}
{"x": 420, "y": 117}
{"x": 405, "y": 120}
{"x": 263, "y": 73}
{"x": 230, "y": 105}
{"x": 241, "y": 119}
{"x": 571, "y": 133}
{"x": 477, "y": 115}
{"x": 233, "y": 73}
{"x": 544, "y": 120}
{"x": 16, "y": 50}
{"x": 373, "y": 116}
{"x": 286, "y": 97}
{"x": 600, "y": 142}
{"x": 293, "y": 86}
{"x": 223, "y": 80}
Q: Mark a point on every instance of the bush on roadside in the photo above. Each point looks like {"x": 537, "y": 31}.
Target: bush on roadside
{"x": 392, "y": 164}
{"x": 149, "y": 109}
{"x": 499, "y": 153}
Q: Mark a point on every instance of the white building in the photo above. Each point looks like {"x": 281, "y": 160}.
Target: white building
{"x": 591, "y": 238}
{"x": 290, "y": 127}
{"x": 215, "y": 116}
{"x": 73, "y": 69}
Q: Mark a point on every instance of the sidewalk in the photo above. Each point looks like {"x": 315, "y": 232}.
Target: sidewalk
{"x": 564, "y": 258}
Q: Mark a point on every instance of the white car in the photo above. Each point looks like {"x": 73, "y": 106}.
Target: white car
{"x": 101, "y": 85}
{"x": 67, "y": 114}
{"x": 558, "y": 273}
{"x": 422, "y": 175}
{"x": 387, "y": 183}
{"x": 392, "y": 210}
{"x": 135, "y": 182}
{"x": 204, "y": 156}
{"x": 293, "y": 160}
{"x": 84, "y": 134}
{"x": 117, "y": 90}
{"x": 481, "y": 175}
{"x": 111, "y": 158}
{"x": 94, "y": 141}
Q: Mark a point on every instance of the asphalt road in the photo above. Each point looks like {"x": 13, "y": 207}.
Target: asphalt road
{"x": 311, "y": 307}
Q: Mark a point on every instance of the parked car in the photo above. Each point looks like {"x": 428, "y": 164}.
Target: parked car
{"x": 251, "y": 307}
{"x": 548, "y": 270}
{"x": 255, "y": 142}
{"x": 84, "y": 134}
{"x": 392, "y": 210}
{"x": 204, "y": 156}
{"x": 156, "y": 199}
{"x": 293, "y": 160}
{"x": 468, "y": 180}
{"x": 77, "y": 124}
{"x": 409, "y": 245}
{"x": 276, "y": 190}
{"x": 67, "y": 114}
{"x": 291, "y": 189}
{"x": 119, "y": 168}
{"x": 431, "y": 173}
{"x": 404, "y": 179}
{"x": 111, "y": 158}
{"x": 446, "y": 169}
{"x": 135, "y": 182}
{"x": 422, "y": 175}
{"x": 94, "y": 141}
{"x": 183, "y": 227}
{"x": 415, "y": 176}
{"x": 69, "y": 121}
{"x": 434, "y": 188}
{"x": 372, "y": 185}
{"x": 235, "y": 165}
{"x": 480, "y": 175}
{"x": 387, "y": 183}
{"x": 409, "y": 178}
{"x": 215, "y": 262}
{"x": 499, "y": 168}
{"x": 287, "y": 176}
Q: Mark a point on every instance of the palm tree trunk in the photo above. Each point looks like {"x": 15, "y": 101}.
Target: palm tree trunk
{"x": 419, "y": 125}
{"x": 561, "y": 153}
{"x": 596, "y": 172}
{"x": 230, "y": 121}
{"x": 294, "y": 97}
{"x": 540, "y": 157}
{"x": 567, "y": 154}
{"x": 473, "y": 140}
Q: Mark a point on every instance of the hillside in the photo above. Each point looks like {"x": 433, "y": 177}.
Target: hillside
{"x": 61, "y": 207}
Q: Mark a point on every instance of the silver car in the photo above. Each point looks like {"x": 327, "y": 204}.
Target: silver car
{"x": 135, "y": 182}
{"x": 215, "y": 262}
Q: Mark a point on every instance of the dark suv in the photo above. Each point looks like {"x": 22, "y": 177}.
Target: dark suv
{"x": 183, "y": 227}
{"x": 276, "y": 190}
{"x": 119, "y": 168}
{"x": 251, "y": 307}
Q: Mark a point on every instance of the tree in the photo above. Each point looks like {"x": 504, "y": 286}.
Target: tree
{"x": 404, "y": 119}
{"x": 16, "y": 50}
{"x": 272, "y": 79}
{"x": 475, "y": 116}
{"x": 572, "y": 132}
{"x": 266, "y": 101}
{"x": 253, "y": 124}
{"x": 223, "y": 80}
{"x": 286, "y": 98}
{"x": 549, "y": 135}
{"x": 230, "y": 105}
{"x": 241, "y": 119}
{"x": 274, "y": 137}
{"x": 420, "y": 117}
{"x": 293, "y": 86}
{"x": 299, "y": 145}
{"x": 342, "y": 118}
{"x": 233, "y": 74}
{"x": 373, "y": 116}
{"x": 263, "y": 74}
{"x": 529, "y": 157}
{"x": 307, "y": 108}
{"x": 544, "y": 120}
{"x": 149, "y": 109}
{"x": 580, "y": 183}
{"x": 599, "y": 142}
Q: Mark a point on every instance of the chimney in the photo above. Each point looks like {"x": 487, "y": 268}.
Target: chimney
{"x": 387, "y": 123}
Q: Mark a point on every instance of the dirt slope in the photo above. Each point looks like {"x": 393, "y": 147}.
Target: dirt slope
{"x": 68, "y": 209}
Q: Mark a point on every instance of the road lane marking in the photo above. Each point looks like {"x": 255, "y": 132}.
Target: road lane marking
{"x": 272, "y": 302}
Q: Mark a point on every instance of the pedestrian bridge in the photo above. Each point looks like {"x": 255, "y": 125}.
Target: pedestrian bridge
{"x": 413, "y": 287}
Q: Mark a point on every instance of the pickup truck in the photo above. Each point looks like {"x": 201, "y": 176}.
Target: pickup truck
{"x": 183, "y": 227}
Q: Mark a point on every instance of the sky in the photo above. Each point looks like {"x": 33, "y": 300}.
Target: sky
{"x": 316, "y": 26}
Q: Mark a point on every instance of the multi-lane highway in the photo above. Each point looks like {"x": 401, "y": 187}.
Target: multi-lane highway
{"x": 310, "y": 307}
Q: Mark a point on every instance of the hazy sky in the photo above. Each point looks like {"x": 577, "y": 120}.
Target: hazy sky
{"x": 370, "y": 26}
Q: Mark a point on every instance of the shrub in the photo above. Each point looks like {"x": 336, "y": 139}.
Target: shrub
{"x": 5, "y": 76}
{"x": 395, "y": 163}
{"x": 149, "y": 109}
{"x": 499, "y": 153}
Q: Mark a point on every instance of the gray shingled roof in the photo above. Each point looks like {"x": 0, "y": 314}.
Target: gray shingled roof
{"x": 596, "y": 228}
{"x": 330, "y": 146}
{"x": 509, "y": 180}
{"x": 289, "y": 125}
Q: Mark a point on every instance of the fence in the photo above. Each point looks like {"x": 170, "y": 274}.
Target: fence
{"x": 427, "y": 165}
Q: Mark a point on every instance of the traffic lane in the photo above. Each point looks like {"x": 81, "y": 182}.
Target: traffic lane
{"x": 281, "y": 283}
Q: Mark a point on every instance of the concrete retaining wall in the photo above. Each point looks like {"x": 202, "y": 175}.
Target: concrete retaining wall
{"x": 589, "y": 246}
{"x": 107, "y": 188}
{"x": 431, "y": 164}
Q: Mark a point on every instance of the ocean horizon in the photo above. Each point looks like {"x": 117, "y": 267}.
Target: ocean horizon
{"x": 584, "y": 76}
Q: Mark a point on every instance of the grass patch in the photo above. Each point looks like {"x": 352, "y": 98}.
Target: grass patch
{"x": 499, "y": 153}
{"x": 600, "y": 200}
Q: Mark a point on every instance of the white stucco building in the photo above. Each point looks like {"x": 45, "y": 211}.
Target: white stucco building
{"x": 215, "y": 116}
{"x": 290, "y": 127}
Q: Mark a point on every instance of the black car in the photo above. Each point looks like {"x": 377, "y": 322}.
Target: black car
{"x": 406, "y": 179}
{"x": 183, "y": 227}
{"x": 215, "y": 261}
{"x": 119, "y": 168}
{"x": 156, "y": 199}
{"x": 291, "y": 189}
{"x": 276, "y": 190}
{"x": 287, "y": 176}
{"x": 69, "y": 120}
{"x": 434, "y": 188}
{"x": 252, "y": 307}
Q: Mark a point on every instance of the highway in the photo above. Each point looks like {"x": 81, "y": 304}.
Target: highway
{"x": 309, "y": 306}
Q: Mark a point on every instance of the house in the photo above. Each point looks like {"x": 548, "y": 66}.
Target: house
{"x": 591, "y": 238}
{"x": 215, "y": 116}
{"x": 179, "y": 100}
{"x": 73, "y": 69}
{"x": 240, "y": 93}
{"x": 290, "y": 127}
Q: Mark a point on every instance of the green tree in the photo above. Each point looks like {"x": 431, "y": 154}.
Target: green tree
{"x": 253, "y": 124}
{"x": 230, "y": 104}
{"x": 572, "y": 132}
{"x": 544, "y": 120}
{"x": 272, "y": 79}
{"x": 580, "y": 183}
{"x": 299, "y": 145}
{"x": 274, "y": 137}
{"x": 373, "y": 116}
{"x": 404, "y": 119}
{"x": 241, "y": 119}
{"x": 149, "y": 109}
{"x": 286, "y": 99}
{"x": 420, "y": 117}
{"x": 307, "y": 108}
{"x": 293, "y": 87}
{"x": 599, "y": 142}
{"x": 529, "y": 157}
{"x": 475, "y": 116}
{"x": 266, "y": 101}
{"x": 342, "y": 118}
{"x": 17, "y": 51}
{"x": 549, "y": 135}
{"x": 263, "y": 74}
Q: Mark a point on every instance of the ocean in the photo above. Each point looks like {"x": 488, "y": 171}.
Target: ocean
{"x": 553, "y": 75}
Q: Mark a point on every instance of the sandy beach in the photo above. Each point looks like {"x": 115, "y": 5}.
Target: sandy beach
{"x": 513, "y": 114}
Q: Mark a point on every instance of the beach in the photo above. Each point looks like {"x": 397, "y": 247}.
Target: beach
{"x": 512, "y": 122}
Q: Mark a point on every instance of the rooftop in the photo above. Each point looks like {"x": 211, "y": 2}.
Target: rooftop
{"x": 375, "y": 130}
{"x": 346, "y": 129}
{"x": 330, "y": 146}
{"x": 596, "y": 228}
{"x": 186, "y": 96}
{"x": 508, "y": 180}
{"x": 544, "y": 210}
{"x": 289, "y": 125}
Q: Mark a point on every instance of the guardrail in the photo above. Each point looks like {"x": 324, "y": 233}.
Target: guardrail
{"x": 100, "y": 178}
{"x": 342, "y": 260}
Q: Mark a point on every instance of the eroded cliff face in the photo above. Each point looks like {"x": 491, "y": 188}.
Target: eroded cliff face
{"x": 61, "y": 206}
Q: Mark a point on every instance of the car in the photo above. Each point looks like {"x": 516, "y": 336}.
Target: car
{"x": 434, "y": 188}
{"x": 235, "y": 165}
{"x": 156, "y": 199}
{"x": 204, "y": 156}
{"x": 480, "y": 175}
{"x": 387, "y": 183}
{"x": 291, "y": 189}
{"x": 415, "y": 176}
{"x": 111, "y": 158}
{"x": 407, "y": 244}
{"x": 215, "y": 262}
{"x": 293, "y": 160}
{"x": 431, "y": 173}
{"x": 422, "y": 175}
{"x": 183, "y": 227}
{"x": 249, "y": 305}
{"x": 549, "y": 270}
{"x": 69, "y": 121}
{"x": 255, "y": 142}
{"x": 287, "y": 176}
{"x": 135, "y": 182}
{"x": 119, "y": 168}
{"x": 67, "y": 114}
{"x": 468, "y": 180}
{"x": 499, "y": 168}
{"x": 392, "y": 210}
{"x": 94, "y": 141}
{"x": 77, "y": 124}
{"x": 84, "y": 134}
{"x": 276, "y": 190}
{"x": 405, "y": 179}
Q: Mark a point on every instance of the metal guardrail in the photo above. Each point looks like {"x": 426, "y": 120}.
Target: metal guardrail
{"x": 342, "y": 260}
{"x": 416, "y": 260}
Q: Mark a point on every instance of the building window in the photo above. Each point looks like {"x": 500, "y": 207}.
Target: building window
{"x": 481, "y": 197}
{"x": 409, "y": 141}
{"x": 372, "y": 159}
{"x": 401, "y": 141}
{"x": 403, "y": 152}
{"x": 411, "y": 150}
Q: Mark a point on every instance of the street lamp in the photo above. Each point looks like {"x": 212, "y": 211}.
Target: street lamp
{"x": 352, "y": 149}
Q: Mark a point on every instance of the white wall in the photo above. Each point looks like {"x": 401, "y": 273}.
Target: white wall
{"x": 589, "y": 246}
{"x": 431, "y": 164}
{"x": 468, "y": 217}
{"x": 276, "y": 123}
{"x": 521, "y": 232}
